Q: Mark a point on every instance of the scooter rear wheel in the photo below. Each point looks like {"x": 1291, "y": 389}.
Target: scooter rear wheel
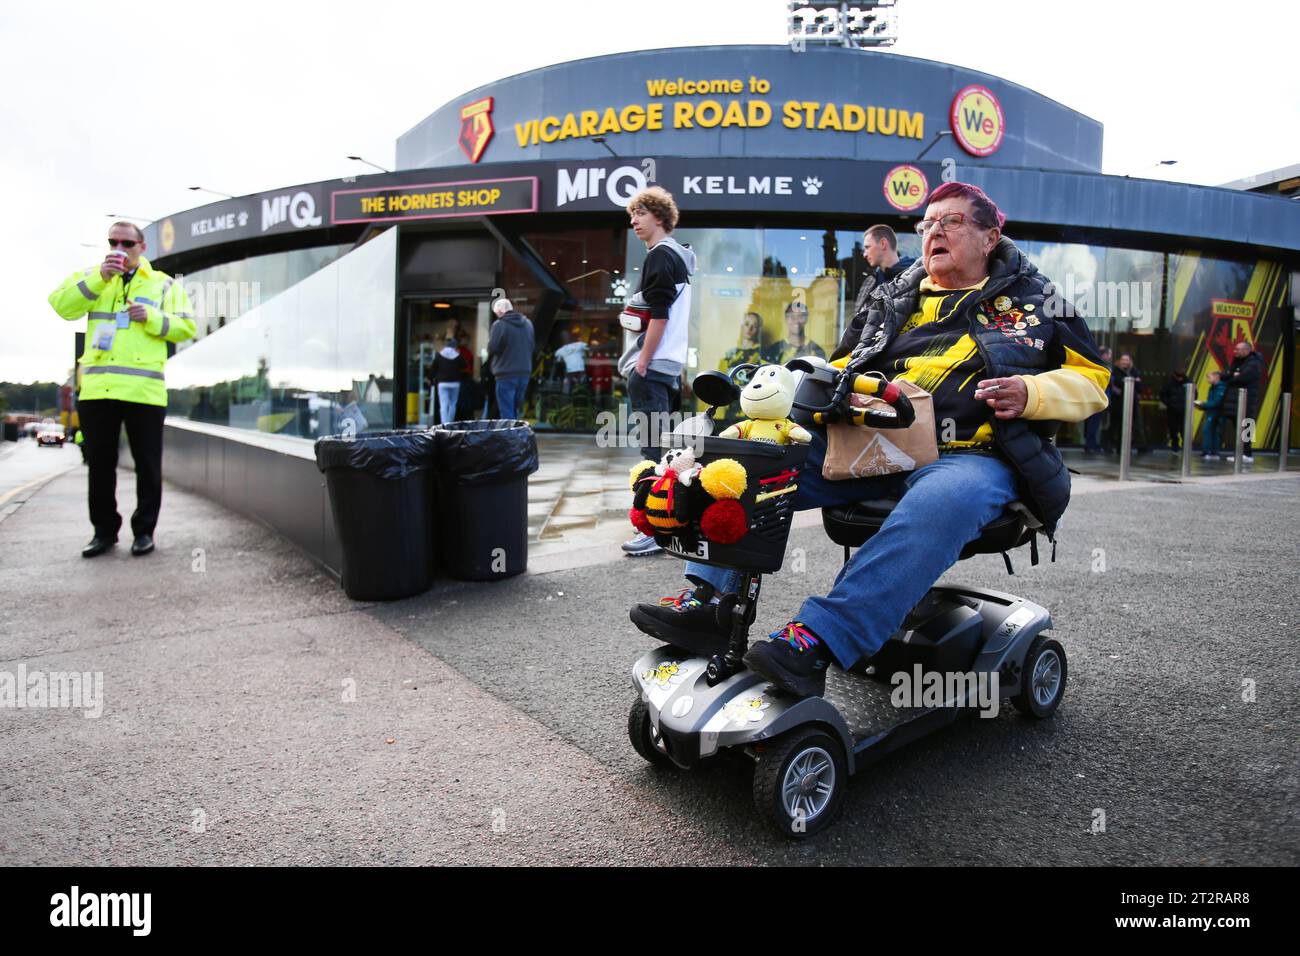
{"x": 1043, "y": 679}
{"x": 799, "y": 782}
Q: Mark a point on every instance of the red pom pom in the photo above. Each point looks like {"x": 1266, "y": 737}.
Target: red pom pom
{"x": 724, "y": 521}
{"x": 640, "y": 522}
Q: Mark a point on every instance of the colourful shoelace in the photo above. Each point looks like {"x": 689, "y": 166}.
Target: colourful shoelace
{"x": 797, "y": 636}
{"x": 684, "y": 598}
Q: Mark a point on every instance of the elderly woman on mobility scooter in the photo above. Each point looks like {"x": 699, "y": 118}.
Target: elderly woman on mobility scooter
{"x": 1005, "y": 359}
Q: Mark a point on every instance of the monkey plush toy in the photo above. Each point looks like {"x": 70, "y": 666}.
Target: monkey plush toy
{"x": 767, "y": 400}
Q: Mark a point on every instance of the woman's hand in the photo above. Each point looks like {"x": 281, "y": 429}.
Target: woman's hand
{"x": 1006, "y": 396}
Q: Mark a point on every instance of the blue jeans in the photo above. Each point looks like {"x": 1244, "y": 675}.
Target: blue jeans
{"x": 1211, "y": 435}
{"x": 511, "y": 390}
{"x": 943, "y": 506}
{"x": 1092, "y": 432}
{"x": 448, "y": 394}
{"x": 649, "y": 396}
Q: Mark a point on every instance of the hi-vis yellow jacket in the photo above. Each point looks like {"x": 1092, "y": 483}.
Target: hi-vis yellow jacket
{"x": 131, "y": 368}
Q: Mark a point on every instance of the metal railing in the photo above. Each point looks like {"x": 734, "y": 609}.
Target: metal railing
{"x": 1284, "y": 439}
{"x": 1189, "y": 437}
{"x": 1126, "y": 433}
{"x": 1239, "y": 432}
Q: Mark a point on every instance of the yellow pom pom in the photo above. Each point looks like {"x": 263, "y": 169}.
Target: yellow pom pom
{"x": 639, "y": 471}
{"x": 724, "y": 478}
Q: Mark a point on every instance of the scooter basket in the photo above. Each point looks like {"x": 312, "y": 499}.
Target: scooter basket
{"x": 769, "y": 469}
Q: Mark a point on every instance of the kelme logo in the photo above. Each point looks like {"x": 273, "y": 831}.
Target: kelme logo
{"x": 977, "y": 121}
{"x": 476, "y": 128}
{"x": 906, "y": 188}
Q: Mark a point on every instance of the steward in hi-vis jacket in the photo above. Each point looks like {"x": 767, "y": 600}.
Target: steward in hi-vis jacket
{"x": 132, "y": 311}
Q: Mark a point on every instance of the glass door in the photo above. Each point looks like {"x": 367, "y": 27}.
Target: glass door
{"x": 455, "y": 325}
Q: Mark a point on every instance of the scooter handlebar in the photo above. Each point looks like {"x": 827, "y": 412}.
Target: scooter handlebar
{"x": 849, "y": 381}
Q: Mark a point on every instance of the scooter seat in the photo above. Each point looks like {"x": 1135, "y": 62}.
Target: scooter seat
{"x": 854, "y": 525}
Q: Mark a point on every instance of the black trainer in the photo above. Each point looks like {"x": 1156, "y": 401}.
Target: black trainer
{"x": 689, "y": 620}
{"x": 794, "y": 659}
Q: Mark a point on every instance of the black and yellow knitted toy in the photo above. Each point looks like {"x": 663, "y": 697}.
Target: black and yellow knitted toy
{"x": 667, "y": 498}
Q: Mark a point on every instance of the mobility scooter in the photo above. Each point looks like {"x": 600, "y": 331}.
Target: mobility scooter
{"x": 691, "y": 708}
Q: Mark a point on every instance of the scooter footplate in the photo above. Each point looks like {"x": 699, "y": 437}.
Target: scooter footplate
{"x": 865, "y": 703}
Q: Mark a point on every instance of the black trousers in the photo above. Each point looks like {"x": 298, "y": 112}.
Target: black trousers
{"x": 101, "y": 421}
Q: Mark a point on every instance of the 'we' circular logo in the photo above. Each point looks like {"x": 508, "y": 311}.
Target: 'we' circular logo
{"x": 906, "y": 188}
{"x": 977, "y": 121}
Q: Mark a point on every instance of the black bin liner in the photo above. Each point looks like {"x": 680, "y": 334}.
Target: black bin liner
{"x": 381, "y": 489}
{"x": 482, "y": 502}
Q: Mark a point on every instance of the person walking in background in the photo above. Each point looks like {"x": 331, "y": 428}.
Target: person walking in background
{"x": 510, "y": 351}
{"x": 1124, "y": 368}
{"x": 573, "y": 357}
{"x": 446, "y": 373}
{"x": 133, "y": 311}
{"x": 467, "y": 402}
{"x": 884, "y": 264}
{"x": 1092, "y": 427}
{"x": 1213, "y": 408}
{"x": 1174, "y": 396}
{"x": 1246, "y": 378}
{"x": 653, "y": 366}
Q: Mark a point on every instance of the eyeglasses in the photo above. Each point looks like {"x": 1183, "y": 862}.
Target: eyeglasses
{"x": 124, "y": 243}
{"x": 945, "y": 223}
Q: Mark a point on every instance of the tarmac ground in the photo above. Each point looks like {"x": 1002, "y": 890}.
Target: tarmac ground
{"x": 253, "y": 714}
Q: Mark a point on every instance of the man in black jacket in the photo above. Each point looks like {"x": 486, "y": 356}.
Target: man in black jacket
{"x": 1124, "y": 368}
{"x": 880, "y": 249}
{"x": 1174, "y": 396}
{"x": 1246, "y": 376}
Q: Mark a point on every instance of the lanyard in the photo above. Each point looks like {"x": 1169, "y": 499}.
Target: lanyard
{"x": 126, "y": 288}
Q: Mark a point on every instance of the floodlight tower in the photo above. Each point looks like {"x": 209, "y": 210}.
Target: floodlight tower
{"x": 853, "y": 25}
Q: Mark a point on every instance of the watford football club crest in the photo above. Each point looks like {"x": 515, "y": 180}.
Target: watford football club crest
{"x": 476, "y": 128}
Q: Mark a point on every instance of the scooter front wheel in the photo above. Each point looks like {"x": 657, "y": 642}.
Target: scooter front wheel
{"x": 799, "y": 782}
{"x": 645, "y": 739}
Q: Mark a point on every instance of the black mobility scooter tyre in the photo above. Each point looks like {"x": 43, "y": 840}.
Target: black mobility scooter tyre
{"x": 1043, "y": 679}
{"x": 799, "y": 782}
{"x": 645, "y": 740}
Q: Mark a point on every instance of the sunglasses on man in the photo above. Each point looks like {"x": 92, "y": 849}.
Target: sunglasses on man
{"x": 123, "y": 243}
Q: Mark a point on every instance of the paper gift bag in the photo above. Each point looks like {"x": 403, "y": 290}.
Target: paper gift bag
{"x": 860, "y": 451}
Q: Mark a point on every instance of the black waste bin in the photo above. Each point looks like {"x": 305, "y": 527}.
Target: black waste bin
{"x": 381, "y": 494}
{"x": 482, "y": 504}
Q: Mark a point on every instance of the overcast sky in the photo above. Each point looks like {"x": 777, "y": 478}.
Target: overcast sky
{"x": 118, "y": 107}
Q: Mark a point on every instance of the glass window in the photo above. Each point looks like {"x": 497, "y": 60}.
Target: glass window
{"x": 574, "y": 370}
{"x": 223, "y": 293}
{"x": 315, "y": 360}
